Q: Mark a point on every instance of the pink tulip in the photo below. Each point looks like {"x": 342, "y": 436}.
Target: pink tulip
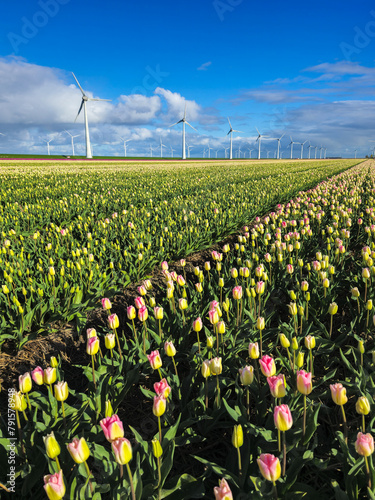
{"x": 159, "y": 406}
{"x": 142, "y": 290}
{"x": 164, "y": 266}
{"x": 237, "y": 292}
{"x": 112, "y": 427}
{"x": 282, "y": 418}
{"x": 130, "y": 311}
{"x": 92, "y": 346}
{"x": 154, "y": 359}
{"x": 304, "y": 384}
{"x": 267, "y": 366}
{"x": 162, "y": 388}
{"x": 197, "y": 325}
{"x": 259, "y": 287}
{"x": 113, "y": 321}
{"x": 79, "y": 451}
{"x": 213, "y": 316}
{"x": 269, "y": 467}
{"x": 54, "y": 485}
{"x": 123, "y": 451}
{"x": 338, "y": 393}
{"x": 38, "y": 375}
{"x": 181, "y": 280}
{"x": 277, "y": 386}
{"x": 139, "y": 302}
{"x": 364, "y": 444}
{"x": 213, "y": 305}
{"x": 223, "y": 492}
{"x": 143, "y": 313}
{"x": 106, "y": 303}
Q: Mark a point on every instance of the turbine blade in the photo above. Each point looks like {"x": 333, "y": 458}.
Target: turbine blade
{"x": 92, "y": 99}
{"x": 175, "y": 124}
{"x": 78, "y": 83}
{"x": 191, "y": 126}
{"x": 230, "y": 123}
{"x": 239, "y": 131}
{"x": 80, "y": 109}
{"x": 185, "y": 111}
{"x": 257, "y": 131}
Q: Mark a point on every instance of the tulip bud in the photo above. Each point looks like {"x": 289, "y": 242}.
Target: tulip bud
{"x": 254, "y": 350}
{"x": 156, "y": 448}
{"x": 282, "y": 418}
{"x": 110, "y": 340}
{"x": 246, "y": 375}
{"x": 269, "y": 467}
{"x": 113, "y": 321}
{"x": 123, "y": 451}
{"x": 338, "y": 393}
{"x": 106, "y": 304}
{"x": 79, "y": 451}
{"x": 260, "y": 324}
{"x": 364, "y": 444}
{"x": 284, "y": 341}
{"x": 143, "y": 314}
{"x": 25, "y": 382}
{"x": 159, "y": 406}
{"x": 223, "y": 492}
{"x": 215, "y": 366}
{"x": 267, "y": 366}
{"x": 54, "y": 486}
{"x": 53, "y": 362}
{"x": 237, "y": 292}
{"x": 277, "y": 386}
{"x": 112, "y": 427}
{"x": 292, "y": 308}
{"x": 108, "y": 412}
{"x": 309, "y": 342}
{"x": 158, "y": 313}
{"x": 304, "y": 383}
{"x": 131, "y": 313}
{"x": 53, "y": 449}
{"x": 49, "y": 375}
{"x": 362, "y": 406}
{"x": 361, "y": 347}
{"x": 294, "y": 343}
{"x": 92, "y": 346}
{"x": 210, "y": 342}
{"x": 237, "y": 436}
{"x": 300, "y": 359}
{"x": 38, "y": 375}
{"x": 333, "y": 307}
{"x": 155, "y": 360}
{"x": 369, "y": 305}
{"x": 169, "y": 349}
{"x": 61, "y": 391}
{"x": 205, "y": 370}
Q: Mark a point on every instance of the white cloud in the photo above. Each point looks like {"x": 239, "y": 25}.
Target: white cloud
{"x": 204, "y": 66}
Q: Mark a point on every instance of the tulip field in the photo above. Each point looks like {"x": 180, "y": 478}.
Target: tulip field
{"x": 245, "y": 371}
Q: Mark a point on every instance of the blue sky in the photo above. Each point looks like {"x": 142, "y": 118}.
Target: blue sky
{"x": 306, "y": 70}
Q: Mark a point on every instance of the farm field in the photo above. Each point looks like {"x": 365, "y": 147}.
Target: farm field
{"x": 227, "y": 323}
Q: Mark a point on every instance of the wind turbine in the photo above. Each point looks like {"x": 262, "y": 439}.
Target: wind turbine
{"x": 309, "y": 148}
{"x": 225, "y": 152}
{"x": 268, "y": 154}
{"x": 291, "y": 146}
{"x": 231, "y": 130}
{"x": 355, "y": 153}
{"x": 48, "y": 145}
{"x": 151, "y": 150}
{"x": 72, "y": 138}
{"x": 209, "y": 150}
{"x": 250, "y": 150}
{"x": 302, "y": 143}
{"x": 239, "y": 152}
{"x": 83, "y": 105}
{"x": 161, "y": 148}
{"x": 183, "y": 121}
{"x": 278, "y": 146}
{"x": 316, "y": 147}
{"x": 321, "y": 148}
{"x": 172, "y": 151}
{"x": 125, "y": 145}
{"x": 259, "y": 138}
{"x": 325, "y": 153}
{"x": 189, "y": 148}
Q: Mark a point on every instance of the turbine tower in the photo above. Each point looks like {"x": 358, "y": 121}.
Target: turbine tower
{"x": 355, "y": 153}
{"x": 209, "y": 150}
{"x": 47, "y": 142}
{"x": 183, "y": 121}
{"x": 151, "y": 150}
{"x": 72, "y": 138}
{"x": 316, "y": 147}
{"x": 189, "y": 148}
{"x": 309, "y": 148}
{"x": 302, "y": 143}
{"x": 161, "y": 148}
{"x": 172, "y": 151}
{"x": 83, "y": 105}
{"x": 291, "y": 146}
{"x": 250, "y": 150}
{"x": 125, "y": 145}
{"x": 278, "y": 146}
{"x": 259, "y": 138}
{"x": 231, "y": 130}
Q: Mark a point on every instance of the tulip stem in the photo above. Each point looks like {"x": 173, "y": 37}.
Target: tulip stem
{"x": 330, "y": 330}
{"x": 28, "y": 401}
{"x": 206, "y": 392}
{"x": 175, "y": 367}
{"x": 20, "y": 431}
{"x": 199, "y": 344}
{"x": 63, "y": 412}
{"x": 57, "y": 464}
{"x": 284, "y": 453}
{"x": 278, "y": 440}
{"x": 218, "y": 391}
{"x": 304, "y": 415}
{"x": 160, "y": 436}
{"x": 290, "y": 359}
{"x": 368, "y": 472}
{"x": 144, "y": 338}
{"x": 345, "y": 425}
{"x": 93, "y": 371}
{"x": 134, "y": 330}
{"x": 239, "y": 462}
{"x": 88, "y": 477}
{"x": 248, "y": 401}
{"x": 274, "y": 490}
{"x": 131, "y": 482}
{"x": 118, "y": 344}
{"x": 363, "y": 424}
{"x": 311, "y": 363}
{"x": 260, "y": 343}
